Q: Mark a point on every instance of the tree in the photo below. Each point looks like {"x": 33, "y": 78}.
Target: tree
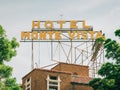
{"x": 109, "y": 71}
{"x": 7, "y": 51}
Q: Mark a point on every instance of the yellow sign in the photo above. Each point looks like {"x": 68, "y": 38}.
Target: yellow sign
{"x": 47, "y": 30}
{"x": 49, "y": 24}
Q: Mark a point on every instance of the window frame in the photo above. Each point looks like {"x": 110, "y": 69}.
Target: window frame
{"x": 55, "y": 83}
{"x": 28, "y": 84}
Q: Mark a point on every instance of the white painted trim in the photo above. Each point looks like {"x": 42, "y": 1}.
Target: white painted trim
{"x": 26, "y": 83}
{"x": 49, "y": 80}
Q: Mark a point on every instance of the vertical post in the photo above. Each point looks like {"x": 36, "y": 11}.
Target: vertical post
{"x": 71, "y": 51}
{"x": 75, "y": 56}
{"x": 32, "y": 61}
{"x": 87, "y": 49}
{"x": 51, "y": 50}
{"x": 82, "y": 56}
{"x": 93, "y": 69}
{"x": 39, "y": 56}
{"x": 59, "y": 50}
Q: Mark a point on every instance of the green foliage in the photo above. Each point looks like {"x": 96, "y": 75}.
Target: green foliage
{"x": 110, "y": 71}
{"x": 113, "y": 50}
{"x": 100, "y": 40}
{"x": 5, "y": 71}
{"x": 2, "y": 32}
{"x": 7, "y": 47}
{"x": 95, "y": 83}
{"x": 102, "y": 84}
{"x": 117, "y": 32}
{"x": 7, "y": 51}
{"x": 10, "y": 84}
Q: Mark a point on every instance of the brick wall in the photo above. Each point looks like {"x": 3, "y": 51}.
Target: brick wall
{"x": 72, "y": 68}
{"x": 64, "y": 71}
{"x": 39, "y": 81}
{"x": 81, "y": 87}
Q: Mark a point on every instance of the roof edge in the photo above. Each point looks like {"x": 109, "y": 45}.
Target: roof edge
{"x": 68, "y": 64}
{"x": 54, "y": 71}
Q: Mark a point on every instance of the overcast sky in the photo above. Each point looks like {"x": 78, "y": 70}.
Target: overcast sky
{"x": 17, "y": 15}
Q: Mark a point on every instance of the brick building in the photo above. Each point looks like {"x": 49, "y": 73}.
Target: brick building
{"x": 61, "y": 77}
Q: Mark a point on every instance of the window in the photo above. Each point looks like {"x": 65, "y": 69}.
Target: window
{"x": 28, "y": 84}
{"x": 53, "y": 83}
{"x": 53, "y": 77}
{"x": 75, "y": 75}
{"x": 53, "y": 88}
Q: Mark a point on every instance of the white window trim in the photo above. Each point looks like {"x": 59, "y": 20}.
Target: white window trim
{"x": 26, "y": 83}
{"x": 49, "y": 80}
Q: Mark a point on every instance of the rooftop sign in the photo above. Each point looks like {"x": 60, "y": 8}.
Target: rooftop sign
{"x": 60, "y": 30}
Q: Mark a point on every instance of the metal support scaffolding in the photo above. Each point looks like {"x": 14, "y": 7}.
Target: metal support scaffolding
{"x": 74, "y": 51}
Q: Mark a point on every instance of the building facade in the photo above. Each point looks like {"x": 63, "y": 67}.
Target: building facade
{"x": 61, "y": 77}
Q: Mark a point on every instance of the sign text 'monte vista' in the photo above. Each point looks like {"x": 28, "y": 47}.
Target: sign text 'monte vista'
{"x": 59, "y": 30}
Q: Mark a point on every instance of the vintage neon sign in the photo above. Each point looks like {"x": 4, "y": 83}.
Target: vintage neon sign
{"x": 47, "y": 30}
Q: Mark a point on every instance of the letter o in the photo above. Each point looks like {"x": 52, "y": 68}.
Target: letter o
{"x": 48, "y": 24}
